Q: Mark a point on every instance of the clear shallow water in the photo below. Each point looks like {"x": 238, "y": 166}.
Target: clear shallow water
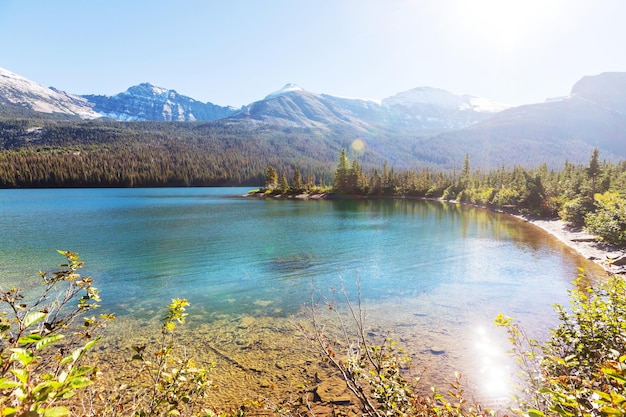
{"x": 438, "y": 272}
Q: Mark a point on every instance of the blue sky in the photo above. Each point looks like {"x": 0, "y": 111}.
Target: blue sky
{"x": 233, "y": 52}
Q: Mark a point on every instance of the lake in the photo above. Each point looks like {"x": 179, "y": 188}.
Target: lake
{"x": 432, "y": 275}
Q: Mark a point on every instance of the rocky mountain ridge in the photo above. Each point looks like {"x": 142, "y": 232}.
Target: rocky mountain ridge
{"x": 149, "y": 102}
{"x": 290, "y": 106}
{"x": 21, "y": 93}
{"x": 422, "y": 108}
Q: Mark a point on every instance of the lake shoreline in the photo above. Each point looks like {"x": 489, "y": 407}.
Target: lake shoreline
{"x": 585, "y": 244}
{"x": 575, "y": 238}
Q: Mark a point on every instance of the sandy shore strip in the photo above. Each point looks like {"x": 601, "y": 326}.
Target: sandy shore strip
{"x": 609, "y": 257}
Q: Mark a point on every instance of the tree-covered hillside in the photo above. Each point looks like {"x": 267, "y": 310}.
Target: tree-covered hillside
{"x": 61, "y": 153}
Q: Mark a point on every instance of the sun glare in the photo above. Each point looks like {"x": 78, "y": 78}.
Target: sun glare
{"x": 504, "y": 23}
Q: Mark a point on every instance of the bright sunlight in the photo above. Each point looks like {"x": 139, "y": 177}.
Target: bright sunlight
{"x": 506, "y": 24}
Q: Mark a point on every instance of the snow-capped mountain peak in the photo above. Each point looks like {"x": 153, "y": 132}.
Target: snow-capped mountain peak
{"x": 287, "y": 88}
{"x": 18, "y": 90}
{"x": 484, "y": 105}
{"x": 149, "y": 89}
{"x": 147, "y": 101}
{"x": 291, "y": 105}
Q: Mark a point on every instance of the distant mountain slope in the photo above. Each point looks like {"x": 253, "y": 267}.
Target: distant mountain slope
{"x": 434, "y": 108}
{"x": 293, "y": 106}
{"x": 592, "y": 116}
{"x": 19, "y": 93}
{"x": 148, "y": 102}
{"x": 607, "y": 90}
{"x": 422, "y": 108}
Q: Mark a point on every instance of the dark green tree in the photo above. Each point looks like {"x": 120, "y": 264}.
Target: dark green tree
{"x": 341, "y": 182}
{"x": 593, "y": 170}
{"x": 297, "y": 180}
{"x": 271, "y": 178}
{"x": 465, "y": 171}
{"x": 283, "y": 183}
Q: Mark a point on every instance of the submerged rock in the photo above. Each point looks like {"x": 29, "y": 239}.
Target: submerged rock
{"x": 333, "y": 391}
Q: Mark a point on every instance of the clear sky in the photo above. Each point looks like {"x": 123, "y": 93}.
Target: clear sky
{"x": 234, "y": 52}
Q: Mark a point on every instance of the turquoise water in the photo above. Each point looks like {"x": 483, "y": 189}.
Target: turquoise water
{"x": 228, "y": 254}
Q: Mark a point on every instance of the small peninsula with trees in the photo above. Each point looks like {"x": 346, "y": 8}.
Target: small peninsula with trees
{"x": 591, "y": 197}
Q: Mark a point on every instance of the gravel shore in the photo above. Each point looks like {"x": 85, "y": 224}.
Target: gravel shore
{"x": 611, "y": 258}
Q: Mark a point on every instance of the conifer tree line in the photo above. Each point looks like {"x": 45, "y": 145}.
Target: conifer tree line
{"x": 150, "y": 154}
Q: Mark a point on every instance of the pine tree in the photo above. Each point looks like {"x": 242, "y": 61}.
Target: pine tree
{"x": 297, "y": 179}
{"x": 465, "y": 172}
{"x": 271, "y": 178}
{"x": 594, "y": 170}
{"x": 283, "y": 183}
{"x": 341, "y": 182}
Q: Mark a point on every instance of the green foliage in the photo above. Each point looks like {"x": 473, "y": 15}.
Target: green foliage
{"x": 176, "y": 383}
{"x": 34, "y": 373}
{"x": 297, "y": 180}
{"x": 608, "y": 220}
{"x": 341, "y": 182}
{"x": 42, "y": 153}
{"x": 42, "y": 357}
{"x": 538, "y": 192}
{"x": 271, "y": 178}
{"x": 575, "y": 210}
{"x": 580, "y": 370}
{"x": 594, "y": 170}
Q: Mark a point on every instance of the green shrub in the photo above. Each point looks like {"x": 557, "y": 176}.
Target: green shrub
{"x": 506, "y": 197}
{"x": 34, "y": 373}
{"x": 574, "y": 211}
{"x": 42, "y": 357}
{"x": 484, "y": 196}
{"x": 608, "y": 221}
{"x": 580, "y": 370}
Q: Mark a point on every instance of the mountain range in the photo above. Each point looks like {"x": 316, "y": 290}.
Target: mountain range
{"x": 293, "y": 106}
{"x": 422, "y": 125}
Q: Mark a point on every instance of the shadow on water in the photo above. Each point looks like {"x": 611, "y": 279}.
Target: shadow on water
{"x": 290, "y": 263}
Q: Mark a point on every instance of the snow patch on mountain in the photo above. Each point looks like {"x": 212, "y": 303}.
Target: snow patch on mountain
{"x": 362, "y": 99}
{"x": 436, "y": 97}
{"x": 21, "y": 91}
{"x": 286, "y": 89}
{"x": 484, "y": 105}
{"x": 147, "y": 101}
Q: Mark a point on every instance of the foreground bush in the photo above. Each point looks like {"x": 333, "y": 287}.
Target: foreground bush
{"x": 43, "y": 364}
{"x": 608, "y": 221}
{"x": 35, "y": 377}
{"x": 374, "y": 373}
{"x": 581, "y": 369}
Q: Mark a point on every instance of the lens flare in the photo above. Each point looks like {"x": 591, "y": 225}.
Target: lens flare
{"x": 357, "y": 145}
